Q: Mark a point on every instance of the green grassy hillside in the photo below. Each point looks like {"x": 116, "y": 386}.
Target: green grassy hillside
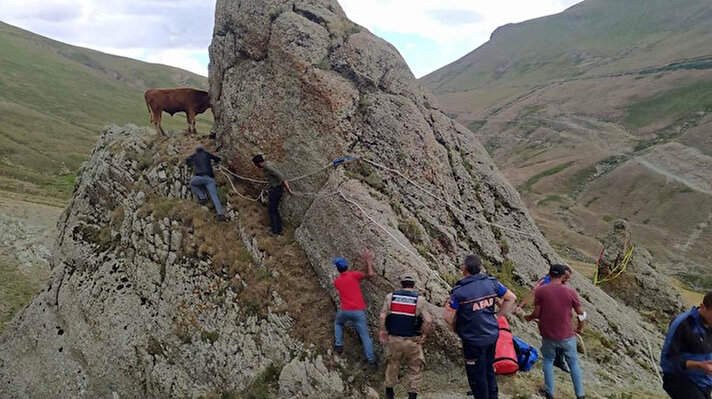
{"x": 600, "y": 112}
{"x": 54, "y": 99}
{"x": 595, "y": 37}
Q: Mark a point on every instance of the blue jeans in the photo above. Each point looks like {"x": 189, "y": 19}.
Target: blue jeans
{"x": 548, "y": 351}
{"x": 358, "y": 317}
{"x": 199, "y": 184}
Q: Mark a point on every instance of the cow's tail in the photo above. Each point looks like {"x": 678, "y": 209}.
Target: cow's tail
{"x": 151, "y": 118}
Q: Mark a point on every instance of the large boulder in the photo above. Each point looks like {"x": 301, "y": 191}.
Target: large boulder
{"x": 150, "y": 298}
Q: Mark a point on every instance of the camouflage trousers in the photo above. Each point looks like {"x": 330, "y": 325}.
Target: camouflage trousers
{"x": 402, "y": 349}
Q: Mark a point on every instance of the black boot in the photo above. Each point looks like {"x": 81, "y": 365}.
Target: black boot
{"x": 389, "y": 393}
{"x": 412, "y": 395}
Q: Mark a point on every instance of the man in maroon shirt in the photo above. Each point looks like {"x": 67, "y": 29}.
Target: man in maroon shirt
{"x": 353, "y": 307}
{"x": 553, "y": 303}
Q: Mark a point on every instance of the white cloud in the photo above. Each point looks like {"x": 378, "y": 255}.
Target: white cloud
{"x": 191, "y": 60}
{"x": 457, "y": 26}
{"x": 172, "y": 32}
{"x": 429, "y": 18}
{"x": 178, "y": 32}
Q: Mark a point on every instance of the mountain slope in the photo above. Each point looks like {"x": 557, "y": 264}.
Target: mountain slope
{"x": 55, "y": 97}
{"x": 599, "y": 112}
{"x": 590, "y": 39}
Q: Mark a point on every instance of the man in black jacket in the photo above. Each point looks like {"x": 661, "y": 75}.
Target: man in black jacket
{"x": 204, "y": 179}
{"x": 686, "y": 359}
{"x": 277, "y": 184}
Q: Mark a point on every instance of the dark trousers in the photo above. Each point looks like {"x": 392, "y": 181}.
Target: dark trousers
{"x": 275, "y": 220}
{"x": 679, "y": 386}
{"x": 479, "y": 362}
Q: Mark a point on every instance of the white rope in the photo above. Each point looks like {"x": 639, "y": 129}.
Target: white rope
{"x": 396, "y": 172}
{"x": 453, "y": 206}
{"x": 265, "y": 182}
{"x": 651, "y": 357}
{"x": 313, "y": 194}
{"x": 394, "y": 238}
{"x": 235, "y": 189}
{"x": 224, "y": 169}
{"x": 583, "y": 344}
{"x": 381, "y": 227}
{"x": 312, "y": 173}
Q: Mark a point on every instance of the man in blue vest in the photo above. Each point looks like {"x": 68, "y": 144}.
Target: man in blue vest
{"x": 405, "y": 322}
{"x": 686, "y": 359}
{"x": 471, "y": 313}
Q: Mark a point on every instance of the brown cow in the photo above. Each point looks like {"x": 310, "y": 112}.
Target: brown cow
{"x": 183, "y": 99}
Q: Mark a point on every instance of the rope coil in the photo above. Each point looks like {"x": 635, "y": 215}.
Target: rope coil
{"x": 617, "y": 271}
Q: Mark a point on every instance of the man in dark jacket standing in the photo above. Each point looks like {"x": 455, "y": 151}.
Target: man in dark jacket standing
{"x": 471, "y": 313}
{"x": 277, "y": 184}
{"x": 204, "y": 179}
{"x": 686, "y": 359}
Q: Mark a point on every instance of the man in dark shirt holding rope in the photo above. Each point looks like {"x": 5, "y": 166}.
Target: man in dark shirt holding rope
{"x": 277, "y": 184}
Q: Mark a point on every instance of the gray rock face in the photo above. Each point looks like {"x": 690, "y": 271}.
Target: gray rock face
{"x": 310, "y": 86}
{"x": 129, "y": 309}
{"x": 138, "y": 302}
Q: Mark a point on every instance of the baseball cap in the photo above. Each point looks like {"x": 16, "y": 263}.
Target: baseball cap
{"x": 340, "y": 263}
{"x": 557, "y": 270}
{"x": 407, "y": 277}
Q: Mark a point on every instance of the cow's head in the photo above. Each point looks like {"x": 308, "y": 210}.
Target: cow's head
{"x": 203, "y": 103}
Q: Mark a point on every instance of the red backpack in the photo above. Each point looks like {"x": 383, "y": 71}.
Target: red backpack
{"x": 505, "y": 356}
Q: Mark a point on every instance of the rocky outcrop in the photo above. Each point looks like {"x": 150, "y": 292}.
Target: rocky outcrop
{"x": 151, "y": 298}
{"x": 135, "y": 306}
{"x": 636, "y": 282}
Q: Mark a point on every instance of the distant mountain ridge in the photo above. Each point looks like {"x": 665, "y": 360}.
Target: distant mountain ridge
{"x": 55, "y": 98}
{"x": 600, "y": 37}
{"x": 600, "y": 112}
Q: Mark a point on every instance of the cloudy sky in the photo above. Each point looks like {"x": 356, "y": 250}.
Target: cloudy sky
{"x": 429, "y": 33}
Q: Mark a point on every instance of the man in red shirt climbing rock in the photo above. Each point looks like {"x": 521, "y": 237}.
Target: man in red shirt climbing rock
{"x": 353, "y": 307}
